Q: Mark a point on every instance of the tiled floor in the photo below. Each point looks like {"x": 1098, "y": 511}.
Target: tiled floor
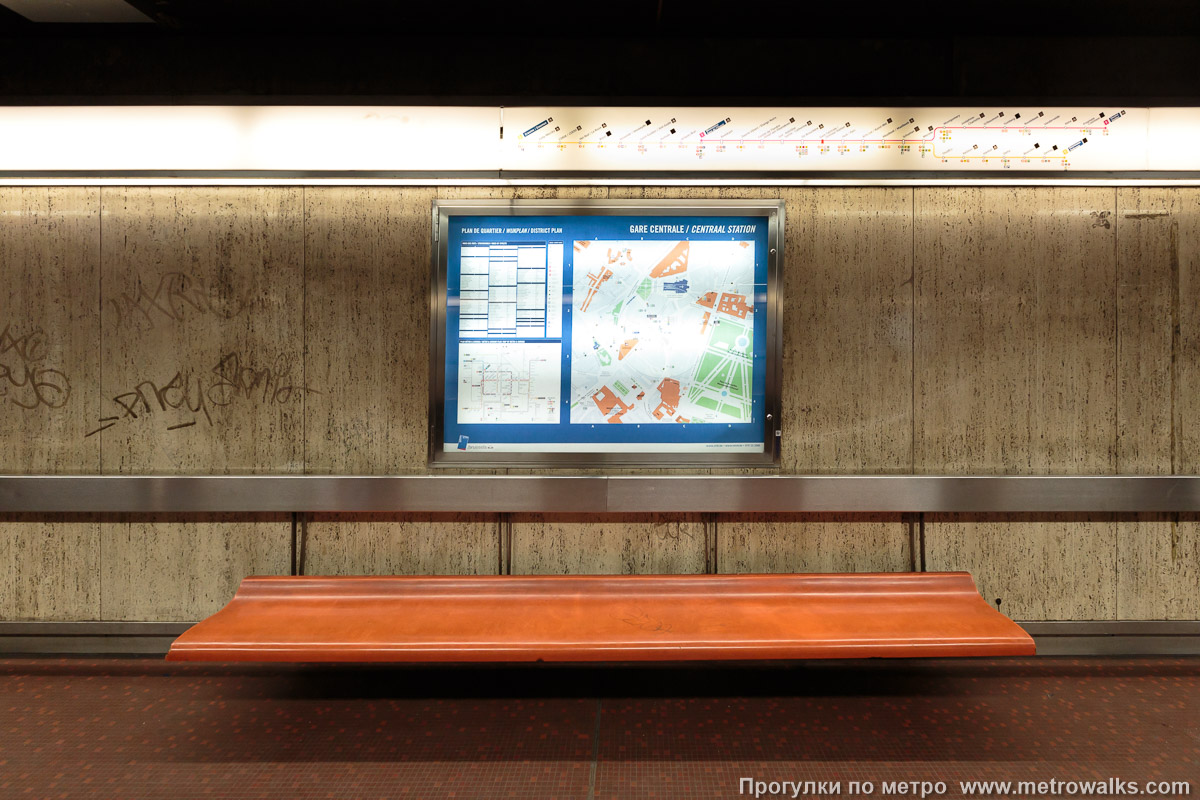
{"x": 141, "y": 728}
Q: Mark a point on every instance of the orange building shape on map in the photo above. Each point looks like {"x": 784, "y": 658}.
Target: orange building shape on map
{"x": 614, "y": 257}
{"x": 594, "y": 284}
{"x": 626, "y": 346}
{"x": 668, "y": 390}
{"x": 606, "y": 400}
{"x": 734, "y": 305}
{"x": 709, "y": 300}
{"x": 674, "y": 263}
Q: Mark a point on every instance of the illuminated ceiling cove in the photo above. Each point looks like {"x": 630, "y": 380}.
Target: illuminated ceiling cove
{"x": 838, "y": 139}
{"x": 310, "y": 141}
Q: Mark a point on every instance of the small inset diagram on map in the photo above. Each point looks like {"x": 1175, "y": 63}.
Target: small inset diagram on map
{"x": 509, "y": 383}
{"x": 662, "y": 332}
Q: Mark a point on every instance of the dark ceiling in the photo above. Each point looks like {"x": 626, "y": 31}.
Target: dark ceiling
{"x": 766, "y": 18}
{"x": 695, "y": 51}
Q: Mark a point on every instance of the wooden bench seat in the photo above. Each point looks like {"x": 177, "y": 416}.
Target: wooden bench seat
{"x": 596, "y": 618}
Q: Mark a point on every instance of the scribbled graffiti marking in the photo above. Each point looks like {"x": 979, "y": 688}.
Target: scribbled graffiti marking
{"x": 25, "y": 379}
{"x": 175, "y": 296}
{"x": 234, "y": 378}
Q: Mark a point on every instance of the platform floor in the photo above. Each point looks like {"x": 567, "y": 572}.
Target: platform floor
{"x": 142, "y": 728}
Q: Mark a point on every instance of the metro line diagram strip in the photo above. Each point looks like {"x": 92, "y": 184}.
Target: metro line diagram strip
{"x": 1043, "y": 143}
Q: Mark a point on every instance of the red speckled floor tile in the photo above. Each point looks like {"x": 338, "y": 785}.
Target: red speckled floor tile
{"x": 950, "y": 721}
{"x": 141, "y": 728}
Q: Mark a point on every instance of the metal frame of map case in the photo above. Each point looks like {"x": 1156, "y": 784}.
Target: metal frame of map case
{"x": 479, "y": 308}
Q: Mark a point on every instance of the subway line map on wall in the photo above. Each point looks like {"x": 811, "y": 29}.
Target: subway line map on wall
{"x": 836, "y": 139}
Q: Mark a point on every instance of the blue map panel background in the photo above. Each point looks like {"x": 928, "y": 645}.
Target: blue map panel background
{"x": 648, "y": 331}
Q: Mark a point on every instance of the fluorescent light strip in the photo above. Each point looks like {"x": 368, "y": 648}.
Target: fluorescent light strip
{"x": 390, "y": 145}
{"x": 233, "y": 139}
{"x": 709, "y": 180}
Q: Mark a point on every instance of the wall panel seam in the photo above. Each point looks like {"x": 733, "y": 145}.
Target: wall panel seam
{"x": 709, "y": 526}
{"x": 912, "y": 335}
{"x": 100, "y": 394}
{"x": 100, "y": 323}
{"x": 304, "y": 328}
{"x": 921, "y": 539}
{"x": 302, "y": 549}
{"x": 295, "y": 526}
{"x": 1116, "y": 460}
{"x": 504, "y": 531}
{"x": 1173, "y": 254}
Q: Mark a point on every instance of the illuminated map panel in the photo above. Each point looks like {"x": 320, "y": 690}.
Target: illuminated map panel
{"x": 663, "y": 332}
{"x": 605, "y": 334}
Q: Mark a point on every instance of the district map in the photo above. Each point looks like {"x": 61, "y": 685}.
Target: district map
{"x": 508, "y": 382}
{"x": 662, "y": 331}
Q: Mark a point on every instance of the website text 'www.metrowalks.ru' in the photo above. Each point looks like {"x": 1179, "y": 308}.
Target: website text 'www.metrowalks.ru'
{"x": 754, "y": 787}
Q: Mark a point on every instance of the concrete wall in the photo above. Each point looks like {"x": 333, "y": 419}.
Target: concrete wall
{"x": 285, "y": 330}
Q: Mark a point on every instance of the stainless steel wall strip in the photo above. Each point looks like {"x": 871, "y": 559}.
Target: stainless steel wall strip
{"x": 262, "y": 493}
{"x": 1105, "y": 637}
{"x": 593, "y": 178}
{"x": 1114, "y": 627}
{"x": 907, "y": 493}
{"x": 92, "y": 628}
{"x": 591, "y": 495}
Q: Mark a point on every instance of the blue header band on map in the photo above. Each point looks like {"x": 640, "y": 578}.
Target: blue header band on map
{"x": 659, "y": 338}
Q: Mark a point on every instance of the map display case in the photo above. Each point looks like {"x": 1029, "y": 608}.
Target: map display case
{"x": 605, "y": 333}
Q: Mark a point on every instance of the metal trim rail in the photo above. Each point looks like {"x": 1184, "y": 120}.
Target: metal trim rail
{"x": 1102, "y": 637}
{"x": 599, "y": 494}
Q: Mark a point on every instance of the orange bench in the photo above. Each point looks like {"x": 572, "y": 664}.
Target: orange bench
{"x": 596, "y": 618}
